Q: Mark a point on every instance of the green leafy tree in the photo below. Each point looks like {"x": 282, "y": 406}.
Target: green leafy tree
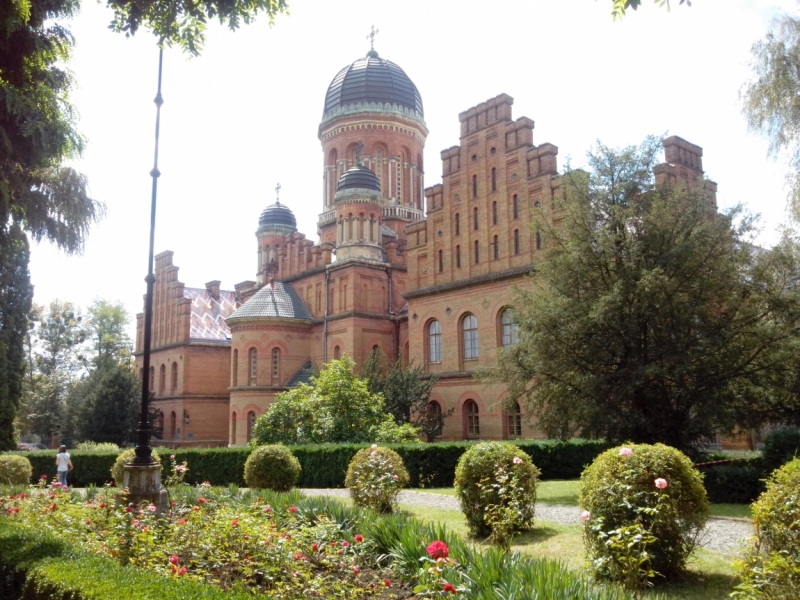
{"x": 109, "y": 410}
{"x": 770, "y": 98}
{"x": 336, "y": 406}
{"x": 651, "y": 318}
{"x": 618, "y": 7}
{"x": 107, "y": 325}
{"x": 406, "y": 392}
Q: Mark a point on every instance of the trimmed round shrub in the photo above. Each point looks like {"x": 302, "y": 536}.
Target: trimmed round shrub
{"x": 124, "y": 458}
{"x": 771, "y": 570}
{"x": 500, "y": 475}
{"x": 780, "y": 447}
{"x": 645, "y": 507}
{"x": 271, "y": 467}
{"x": 15, "y": 470}
{"x": 375, "y": 476}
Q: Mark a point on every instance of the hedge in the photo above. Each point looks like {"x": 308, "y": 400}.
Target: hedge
{"x": 325, "y": 465}
{"x": 738, "y": 482}
{"x": 36, "y": 565}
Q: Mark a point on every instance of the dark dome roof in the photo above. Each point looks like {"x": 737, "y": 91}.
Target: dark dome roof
{"x": 277, "y": 214}
{"x": 359, "y": 177}
{"x": 372, "y": 79}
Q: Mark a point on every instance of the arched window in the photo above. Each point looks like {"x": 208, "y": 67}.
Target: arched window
{"x": 173, "y": 425}
{"x": 515, "y": 206}
{"x": 494, "y": 179}
{"x": 435, "y": 418}
{"x": 251, "y": 421}
{"x": 475, "y": 219}
{"x": 337, "y": 353}
{"x": 252, "y": 372}
{"x": 434, "y": 342}
{"x": 538, "y": 241}
{"x": 441, "y": 262}
{"x": 494, "y": 213}
{"x": 458, "y": 224}
{"x": 276, "y": 366}
{"x": 233, "y": 428}
{"x": 474, "y": 186}
{"x": 514, "y": 421}
{"x": 469, "y": 334}
{"x": 458, "y": 257}
{"x": 235, "y": 369}
{"x": 162, "y": 380}
{"x": 174, "y": 378}
{"x": 152, "y": 383}
{"x": 510, "y": 328}
{"x": 516, "y": 241}
{"x": 472, "y": 420}
{"x": 477, "y": 252}
{"x": 496, "y": 249}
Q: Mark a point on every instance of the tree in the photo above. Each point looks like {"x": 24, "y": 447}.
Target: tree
{"x": 336, "y": 406}
{"x": 109, "y": 410}
{"x": 618, "y": 7}
{"x": 107, "y": 324}
{"x": 771, "y": 100}
{"x": 406, "y": 393}
{"x": 16, "y": 294}
{"x": 651, "y": 318}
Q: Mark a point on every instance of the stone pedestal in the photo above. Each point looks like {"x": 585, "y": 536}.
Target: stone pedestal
{"x": 143, "y": 484}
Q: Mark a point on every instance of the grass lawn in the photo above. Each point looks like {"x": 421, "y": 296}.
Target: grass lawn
{"x": 566, "y": 492}
{"x": 710, "y": 575}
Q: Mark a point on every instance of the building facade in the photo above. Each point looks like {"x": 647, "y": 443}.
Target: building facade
{"x": 425, "y": 274}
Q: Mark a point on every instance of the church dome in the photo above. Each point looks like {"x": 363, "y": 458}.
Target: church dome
{"x": 359, "y": 177}
{"x": 277, "y": 216}
{"x": 370, "y": 80}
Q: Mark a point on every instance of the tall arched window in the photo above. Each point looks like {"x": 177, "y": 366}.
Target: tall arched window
{"x": 435, "y": 418}
{"x": 173, "y": 425}
{"x": 441, "y": 262}
{"x": 276, "y": 366}
{"x": 251, "y": 421}
{"x": 458, "y": 257}
{"x": 474, "y": 186}
{"x": 514, "y": 421}
{"x": 337, "y": 353}
{"x": 152, "y": 383}
{"x": 477, "y": 252}
{"x": 516, "y": 241}
{"x": 458, "y": 224}
{"x": 233, "y": 428}
{"x": 475, "y": 219}
{"x": 469, "y": 334}
{"x": 252, "y": 371}
{"x": 508, "y": 322}
{"x": 472, "y": 420}
{"x": 162, "y": 380}
{"x": 235, "y": 369}
{"x": 174, "y": 378}
{"x": 515, "y": 206}
{"x": 434, "y": 342}
{"x": 496, "y": 247}
{"x": 494, "y": 213}
{"x": 494, "y": 179}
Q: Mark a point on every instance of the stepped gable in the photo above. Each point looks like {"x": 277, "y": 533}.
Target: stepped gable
{"x": 208, "y": 314}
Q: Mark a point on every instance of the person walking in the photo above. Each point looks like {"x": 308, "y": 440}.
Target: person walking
{"x": 63, "y": 465}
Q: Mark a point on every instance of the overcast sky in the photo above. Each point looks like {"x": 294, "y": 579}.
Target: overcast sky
{"x": 244, "y": 115}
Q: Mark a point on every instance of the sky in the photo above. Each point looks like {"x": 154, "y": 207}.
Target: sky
{"x": 244, "y": 115}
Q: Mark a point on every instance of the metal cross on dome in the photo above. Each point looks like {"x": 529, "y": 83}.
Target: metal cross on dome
{"x": 278, "y": 193}
{"x": 371, "y": 37}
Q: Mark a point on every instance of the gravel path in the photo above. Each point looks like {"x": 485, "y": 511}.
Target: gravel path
{"x": 720, "y": 535}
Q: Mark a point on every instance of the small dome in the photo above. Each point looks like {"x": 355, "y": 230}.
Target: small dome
{"x": 372, "y": 79}
{"x": 277, "y": 215}
{"x": 359, "y": 177}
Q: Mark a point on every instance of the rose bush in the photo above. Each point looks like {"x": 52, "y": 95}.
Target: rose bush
{"x": 374, "y": 477}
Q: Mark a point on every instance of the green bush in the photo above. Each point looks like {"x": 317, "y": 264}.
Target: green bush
{"x": 375, "y": 476}
{"x": 772, "y": 568}
{"x": 272, "y": 467}
{"x": 478, "y": 487}
{"x": 644, "y": 509}
{"x": 734, "y": 483}
{"x": 15, "y": 470}
{"x": 94, "y": 446}
{"x": 780, "y": 447}
{"x": 127, "y": 456}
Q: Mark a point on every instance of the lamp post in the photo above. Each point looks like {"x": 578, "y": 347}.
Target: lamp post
{"x": 142, "y": 478}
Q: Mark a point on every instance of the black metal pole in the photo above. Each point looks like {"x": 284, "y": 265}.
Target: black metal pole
{"x": 144, "y": 453}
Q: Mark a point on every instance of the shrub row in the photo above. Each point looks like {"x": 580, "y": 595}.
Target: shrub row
{"x": 738, "y": 482}
{"x": 325, "y": 465}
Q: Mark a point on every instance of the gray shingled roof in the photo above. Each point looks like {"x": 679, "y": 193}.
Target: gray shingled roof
{"x": 304, "y": 375}
{"x": 273, "y": 300}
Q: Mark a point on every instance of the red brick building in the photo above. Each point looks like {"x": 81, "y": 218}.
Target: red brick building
{"x": 422, "y": 273}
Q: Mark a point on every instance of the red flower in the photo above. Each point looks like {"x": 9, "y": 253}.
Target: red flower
{"x": 174, "y": 559}
{"x": 438, "y": 550}
{"x": 182, "y": 571}
{"x": 314, "y": 546}
{"x": 292, "y": 509}
{"x": 449, "y": 588}
{"x": 195, "y": 508}
{"x": 268, "y": 509}
{"x": 298, "y": 555}
{"x": 359, "y": 538}
{"x": 355, "y": 571}
{"x": 181, "y": 521}
{"x": 387, "y": 583}
{"x": 128, "y": 509}
{"x": 234, "y": 523}
{"x": 201, "y": 500}
{"x": 345, "y": 544}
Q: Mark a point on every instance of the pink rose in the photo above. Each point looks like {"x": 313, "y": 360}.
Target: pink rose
{"x": 438, "y": 550}
{"x": 517, "y": 460}
{"x": 661, "y": 483}
{"x": 626, "y": 452}
{"x": 152, "y": 508}
{"x": 586, "y": 515}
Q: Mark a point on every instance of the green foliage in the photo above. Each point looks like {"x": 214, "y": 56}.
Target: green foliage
{"x": 634, "y": 529}
{"x": 618, "y": 7}
{"x": 390, "y": 432}
{"x": 337, "y": 406}
{"x": 771, "y": 570}
{"x": 95, "y": 446}
{"x": 485, "y": 498}
{"x": 118, "y": 468}
{"x": 272, "y": 467}
{"x": 374, "y": 477}
{"x": 106, "y": 326}
{"x": 15, "y": 302}
{"x": 15, "y": 470}
{"x": 107, "y": 410}
{"x": 622, "y": 334}
{"x": 736, "y": 483}
{"x": 780, "y": 447}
